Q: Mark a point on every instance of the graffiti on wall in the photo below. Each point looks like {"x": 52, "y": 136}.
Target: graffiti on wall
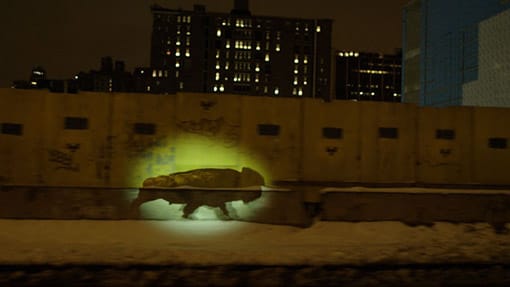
{"x": 64, "y": 158}
{"x": 228, "y": 133}
{"x": 103, "y": 164}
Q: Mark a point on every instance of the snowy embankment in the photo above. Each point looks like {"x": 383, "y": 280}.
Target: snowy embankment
{"x": 230, "y": 242}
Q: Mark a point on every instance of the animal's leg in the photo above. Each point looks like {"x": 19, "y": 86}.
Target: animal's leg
{"x": 189, "y": 209}
{"x": 223, "y": 208}
{"x": 134, "y": 209}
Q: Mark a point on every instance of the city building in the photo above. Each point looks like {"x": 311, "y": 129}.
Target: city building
{"x": 111, "y": 77}
{"x": 239, "y": 53}
{"x": 368, "y": 76}
{"x": 441, "y": 48}
{"x": 492, "y": 88}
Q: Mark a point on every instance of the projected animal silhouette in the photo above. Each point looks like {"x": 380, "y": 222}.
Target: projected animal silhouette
{"x": 202, "y": 187}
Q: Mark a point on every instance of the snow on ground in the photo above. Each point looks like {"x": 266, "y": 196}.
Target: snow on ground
{"x": 232, "y": 242}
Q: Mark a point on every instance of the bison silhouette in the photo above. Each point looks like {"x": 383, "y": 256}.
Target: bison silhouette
{"x": 202, "y": 187}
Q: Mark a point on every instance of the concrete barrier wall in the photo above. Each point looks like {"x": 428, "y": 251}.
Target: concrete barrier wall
{"x": 275, "y": 206}
{"x": 276, "y": 153}
{"x": 445, "y": 153}
{"x": 139, "y": 144}
{"x": 330, "y": 157}
{"x": 76, "y": 127}
{"x": 388, "y": 147}
{"x": 491, "y": 149}
{"x": 419, "y": 206}
{"x": 130, "y": 137}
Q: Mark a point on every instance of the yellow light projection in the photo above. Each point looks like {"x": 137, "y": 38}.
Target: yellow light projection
{"x": 188, "y": 152}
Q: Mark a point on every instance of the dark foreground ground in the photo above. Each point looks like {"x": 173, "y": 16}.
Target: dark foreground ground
{"x": 256, "y": 275}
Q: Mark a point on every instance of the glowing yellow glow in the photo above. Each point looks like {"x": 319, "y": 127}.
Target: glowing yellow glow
{"x": 192, "y": 151}
{"x": 188, "y": 151}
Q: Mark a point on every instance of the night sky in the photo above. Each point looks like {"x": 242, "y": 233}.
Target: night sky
{"x": 66, "y": 36}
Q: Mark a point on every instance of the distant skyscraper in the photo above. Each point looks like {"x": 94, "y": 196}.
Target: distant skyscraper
{"x": 448, "y": 47}
{"x": 368, "y": 76}
{"x": 239, "y": 53}
{"x": 492, "y": 88}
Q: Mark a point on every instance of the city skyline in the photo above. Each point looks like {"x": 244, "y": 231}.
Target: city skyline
{"x": 58, "y": 35}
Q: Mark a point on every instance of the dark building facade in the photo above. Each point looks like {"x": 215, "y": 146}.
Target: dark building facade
{"x": 368, "y": 76}
{"x": 111, "y": 77}
{"x": 441, "y": 44}
{"x": 238, "y": 53}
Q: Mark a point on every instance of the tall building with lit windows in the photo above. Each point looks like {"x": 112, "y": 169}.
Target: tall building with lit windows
{"x": 238, "y": 53}
{"x": 368, "y": 76}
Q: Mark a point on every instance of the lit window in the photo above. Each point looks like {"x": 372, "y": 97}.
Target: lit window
{"x": 305, "y": 81}
{"x": 168, "y": 53}
{"x": 265, "y": 89}
{"x": 318, "y": 29}
{"x": 356, "y": 54}
{"x": 178, "y": 42}
{"x": 296, "y": 59}
{"x": 148, "y": 88}
{"x": 294, "y": 91}
{"x": 256, "y": 78}
{"x": 295, "y": 81}
{"x": 154, "y": 73}
{"x": 267, "y": 58}
{"x": 276, "y": 91}
{"x": 226, "y": 66}
{"x": 181, "y": 85}
{"x": 277, "y": 49}
{"x": 187, "y": 53}
{"x": 224, "y": 23}
{"x": 217, "y": 65}
{"x": 341, "y": 54}
{"x": 227, "y": 44}
{"x": 222, "y": 88}
{"x": 177, "y": 52}
{"x": 177, "y": 74}
{"x": 218, "y": 33}
{"x": 257, "y": 67}
{"x": 217, "y": 54}
{"x": 179, "y": 19}
{"x": 215, "y": 89}
{"x": 177, "y": 64}
{"x": 296, "y": 71}
{"x": 166, "y": 74}
{"x": 160, "y": 74}
{"x": 300, "y": 93}
{"x": 217, "y": 77}
{"x": 258, "y": 46}
{"x": 305, "y": 60}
